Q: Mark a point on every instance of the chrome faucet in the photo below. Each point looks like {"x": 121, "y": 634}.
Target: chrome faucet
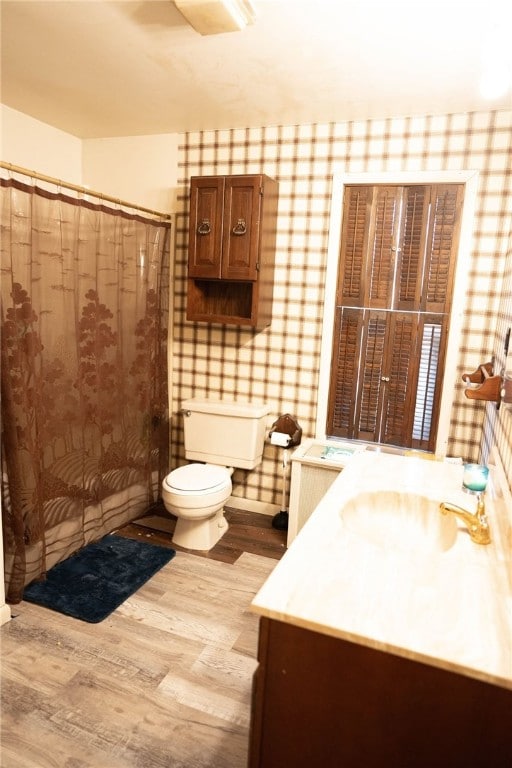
{"x": 476, "y": 522}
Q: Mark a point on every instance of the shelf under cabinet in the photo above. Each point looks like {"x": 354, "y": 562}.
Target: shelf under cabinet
{"x": 221, "y": 301}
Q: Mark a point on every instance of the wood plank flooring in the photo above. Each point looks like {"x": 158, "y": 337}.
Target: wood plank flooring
{"x": 163, "y": 682}
{"x": 248, "y": 532}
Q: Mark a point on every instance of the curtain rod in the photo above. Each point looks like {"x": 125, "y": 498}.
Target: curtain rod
{"x": 77, "y": 188}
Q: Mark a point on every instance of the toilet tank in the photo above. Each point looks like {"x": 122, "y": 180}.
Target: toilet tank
{"x": 224, "y": 432}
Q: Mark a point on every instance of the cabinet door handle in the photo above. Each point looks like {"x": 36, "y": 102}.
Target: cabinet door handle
{"x": 204, "y": 227}
{"x": 384, "y": 378}
{"x": 240, "y": 227}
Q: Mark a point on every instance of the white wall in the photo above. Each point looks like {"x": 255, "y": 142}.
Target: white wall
{"x": 39, "y": 147}
{"x": 137, "y": 169}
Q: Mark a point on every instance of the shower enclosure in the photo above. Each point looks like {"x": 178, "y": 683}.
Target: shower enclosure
{"x": 84, "y": 317}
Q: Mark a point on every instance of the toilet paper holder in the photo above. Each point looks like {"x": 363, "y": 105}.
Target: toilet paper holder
{"x": 285, "y": 431}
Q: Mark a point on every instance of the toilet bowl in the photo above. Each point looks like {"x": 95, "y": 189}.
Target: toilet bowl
{"x": 196, "y": 494}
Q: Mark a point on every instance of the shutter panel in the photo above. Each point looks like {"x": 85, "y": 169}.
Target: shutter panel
{"x": 401, "y": 367}
{"x": 371, "y": 370}
{"x": 367, "y": 252}
{"x": 354, "y": 245}
{"x": 347, "y": 333}
{"x": 442, "y": 245}
{"x": 412, "y": 250}
{"x": 383, "y": 239}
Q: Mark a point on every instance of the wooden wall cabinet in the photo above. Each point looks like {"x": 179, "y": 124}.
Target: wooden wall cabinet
{"x": 232, "y": 234}
{"x": 323, "y": 701}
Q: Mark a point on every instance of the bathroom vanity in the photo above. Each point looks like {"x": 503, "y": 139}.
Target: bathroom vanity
{"x": 385, "y": 632}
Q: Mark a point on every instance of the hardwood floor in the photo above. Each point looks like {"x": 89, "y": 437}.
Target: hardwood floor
{"x": 248, "y": 532}
{"x": 164, "y": 681}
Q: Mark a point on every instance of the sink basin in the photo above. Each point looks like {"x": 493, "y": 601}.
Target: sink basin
{"x": 400, "y": 520}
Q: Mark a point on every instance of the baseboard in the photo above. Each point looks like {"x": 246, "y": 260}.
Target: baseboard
{"x": 250, "y": 505}
{"x": 164, "y": 525}
{"x": 5, "y": 614}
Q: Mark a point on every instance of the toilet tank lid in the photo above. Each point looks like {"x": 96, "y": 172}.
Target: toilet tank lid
{"x": 243, "y": 409}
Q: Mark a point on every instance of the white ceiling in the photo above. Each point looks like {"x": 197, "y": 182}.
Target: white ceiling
{"x": 99, "y": 69}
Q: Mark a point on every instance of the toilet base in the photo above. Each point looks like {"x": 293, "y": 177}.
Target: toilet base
{"x": 200, "y": 534}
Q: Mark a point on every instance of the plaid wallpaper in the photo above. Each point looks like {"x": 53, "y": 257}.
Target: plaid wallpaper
{"x": 279, "y": 365}
{"x": 498, "y": 423}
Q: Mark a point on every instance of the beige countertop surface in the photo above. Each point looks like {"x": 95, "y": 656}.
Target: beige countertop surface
{"x": 451, "y": 608}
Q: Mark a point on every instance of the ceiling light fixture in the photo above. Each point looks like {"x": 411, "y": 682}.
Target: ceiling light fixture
{"x": 212, "y": 17}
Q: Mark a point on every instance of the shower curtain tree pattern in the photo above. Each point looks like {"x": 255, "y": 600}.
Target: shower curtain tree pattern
{"x": 85, "y": 434}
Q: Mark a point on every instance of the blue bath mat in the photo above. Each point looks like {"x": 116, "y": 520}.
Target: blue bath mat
{"x": 92, "y": 583}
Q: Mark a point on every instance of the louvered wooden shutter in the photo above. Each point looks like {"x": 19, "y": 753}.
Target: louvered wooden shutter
{"x": 411, "y": 261}
{"x": 347, "y": 334}
{"x": 368, "y": 246}
{"x": 367, "y": 426}
{"x": 354, "y": 246}
{"x": 442, "y": 240}
{"x": 401, "y": 369}
{"x": 383, "y": 242}
{"x": 387, "y": 369}
{"x": 397, "y": 259}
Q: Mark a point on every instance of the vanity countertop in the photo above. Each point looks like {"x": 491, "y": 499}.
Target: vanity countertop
{"x": 450, "y": 609}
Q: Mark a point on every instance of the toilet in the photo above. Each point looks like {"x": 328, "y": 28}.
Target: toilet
{"x": 220, "y": 435}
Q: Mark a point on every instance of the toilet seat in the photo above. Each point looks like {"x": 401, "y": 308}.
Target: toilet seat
{"x": 196, "y": 479}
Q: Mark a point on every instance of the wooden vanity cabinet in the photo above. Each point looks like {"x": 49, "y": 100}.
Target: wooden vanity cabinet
{"x": 232, "y": 233}
{"x": 321, "y": 700}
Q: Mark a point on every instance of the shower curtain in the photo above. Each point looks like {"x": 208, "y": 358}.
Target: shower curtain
{"x": 85, "y": 428}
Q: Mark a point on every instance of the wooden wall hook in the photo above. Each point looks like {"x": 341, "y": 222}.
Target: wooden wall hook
{"x": 483, "y": 384}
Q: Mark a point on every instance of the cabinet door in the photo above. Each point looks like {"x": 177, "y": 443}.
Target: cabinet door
{"x": 205, "y": 229}
{"x": 242, "y": 211}
{"x": 325, "y": 701}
